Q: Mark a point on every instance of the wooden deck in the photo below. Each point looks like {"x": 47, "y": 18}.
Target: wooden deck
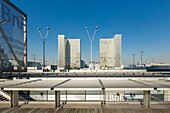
{"x": 83, "y": 110}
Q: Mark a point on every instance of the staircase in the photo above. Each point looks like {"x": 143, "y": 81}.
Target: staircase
{"x": 5, "y": 96}
{"x": 2, "y": 98}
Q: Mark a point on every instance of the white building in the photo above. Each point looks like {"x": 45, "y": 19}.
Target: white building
{"x": 110, "y": 52}
{"x": 68, "y": 53}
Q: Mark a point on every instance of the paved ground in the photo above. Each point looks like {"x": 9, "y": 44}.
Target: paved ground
{"x": 83, "y": 110}
{"x": 93, "y": 107}
{"x": 40, "y": 104}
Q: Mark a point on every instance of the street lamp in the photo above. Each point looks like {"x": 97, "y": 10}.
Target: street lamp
{"x": 91, "y": 41}
{"x": 34, "y": 56}
{"x": 43, "y": 40}
{"x": 152, "y": 60}
{"x": 141, "y": 53}
{"x": 133, "y": 55}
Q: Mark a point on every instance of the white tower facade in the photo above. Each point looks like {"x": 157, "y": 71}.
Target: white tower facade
{"x": 110, "y": 52}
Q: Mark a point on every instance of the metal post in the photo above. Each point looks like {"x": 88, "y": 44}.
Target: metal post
{"x": 91, "y": 41}
{"x": 152, "y": 60}
{"x": 104, "y": 97}
{"x": 0, "y": 57}
{"x": 47, "y": 95}
{"x": 85, "y": 96}
{"x": 43, "y": 54}
{"x": 43, "y": 40}
{"x": 146, "y": 99}
{"x": 25, "y": 43}
{"x": 91, "y": 55}
{"x": 66, "y": 96}
{"x": 0, "y": 40}
{"x": 141, "y": 57}
{"x": 57, "y": 99}
{"x": 14, "y": 98}
{"x": 34, "y": 60}
{"x": 133, "y": 60}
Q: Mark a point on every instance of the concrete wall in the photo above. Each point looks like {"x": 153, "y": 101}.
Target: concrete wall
{"x": 106, "y": 53}
{"x": 118, "y": 50}
{"x": 74, "y": 53}
{"x": 167, "y": 95}
{"x": 61, "y": 51}
{"x": 110, "y": 52}
{"x": 68, "y": 52}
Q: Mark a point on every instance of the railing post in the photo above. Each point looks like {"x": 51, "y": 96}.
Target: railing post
{"x": 146, "y": 99}
{"x": 14, "y": 98}
{"x": 57, "y": 99}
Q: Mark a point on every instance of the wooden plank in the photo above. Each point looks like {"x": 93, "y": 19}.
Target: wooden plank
{"x": 68, "y": 110}
{"x": 165, "y": 110}
{"x": 36, "y": 110}
{"x": 24, "y": 110}
{"x": 98, "y": 110}
{"x": 11, "y": 110}
{"x": 88, "y": 110}
{"x": 85, "y": 110}
{"x": 104, "y": 110}
{"x": 72, "y": 110}
{"x": 80, "y": 110}
{"x": 3, "y": 109}
{"x": 117, "y": 110}
{"x": 92, "y": 111}
{"x": 62, "y": 110}
{"x": 50, "y": 110}
{"x": 76, "y": 110}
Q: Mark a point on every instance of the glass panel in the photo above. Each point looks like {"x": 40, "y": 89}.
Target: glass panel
{"x": 93, "y": 97}
{"x": 75, "y": 97}
{"x": 12, "y": 35}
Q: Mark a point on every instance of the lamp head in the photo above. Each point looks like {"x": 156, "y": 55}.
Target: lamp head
{"x": 48, "y": 28}
{"x": 96, "y": 27}
{"x": 38, "y": 28}
{"x": 86, "y": 27}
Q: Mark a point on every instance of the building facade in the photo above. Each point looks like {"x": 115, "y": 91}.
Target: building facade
{"x": 68, "y": 53}
{"x": 13, "y": 38}
{"x": 110, "y": 52}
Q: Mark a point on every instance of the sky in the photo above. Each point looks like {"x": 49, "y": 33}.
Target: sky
{"x": 144, "y": 25}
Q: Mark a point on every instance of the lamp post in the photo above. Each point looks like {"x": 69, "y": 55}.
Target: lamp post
{"x": 133, "y": 55}
{"x": 152, "y": 60}
{"x": 34, "y": 56}
{"x": 43, "y": 40}
{"x": 141, "y": 53}
{"x": 91, "y": 41}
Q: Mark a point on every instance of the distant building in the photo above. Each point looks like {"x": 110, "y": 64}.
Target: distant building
{"x": 68, "y": 53}
{"x": 158, "y": 67}
{"x": 83, "y": 64}
{"x": 110, "y": 52}
{"x": 34, "y": 64}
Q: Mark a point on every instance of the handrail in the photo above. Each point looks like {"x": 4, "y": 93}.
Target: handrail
{"x": 60, "y": 83}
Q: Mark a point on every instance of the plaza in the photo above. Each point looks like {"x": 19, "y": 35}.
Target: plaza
{"x": 108, "y": 86}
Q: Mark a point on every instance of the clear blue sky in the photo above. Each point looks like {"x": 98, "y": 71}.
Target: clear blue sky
{"x": 144, "y": 25}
